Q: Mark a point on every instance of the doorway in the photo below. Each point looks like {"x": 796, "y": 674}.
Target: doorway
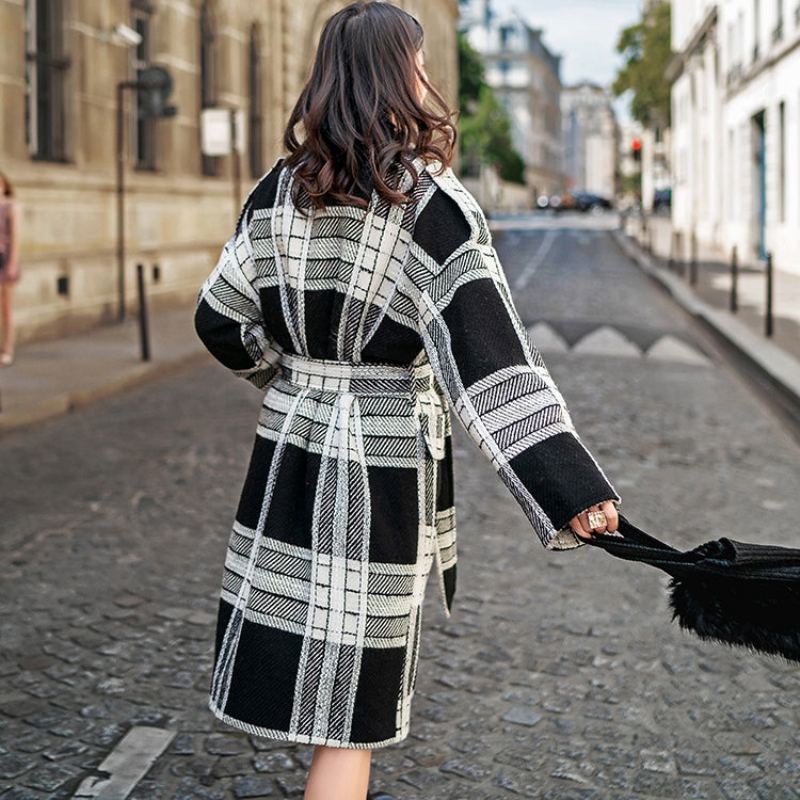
{"x": 760, "y": 184}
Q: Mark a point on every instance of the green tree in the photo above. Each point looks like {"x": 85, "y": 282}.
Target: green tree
{"x": 485, "y": 126}
{"x": 646, "y": 49}
{"x": 471, "y": 73}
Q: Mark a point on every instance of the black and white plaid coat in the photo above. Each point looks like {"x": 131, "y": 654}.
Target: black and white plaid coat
{"x": 364, "y": 329}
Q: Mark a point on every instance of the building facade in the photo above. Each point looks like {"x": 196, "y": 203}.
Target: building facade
{"x": 60, "y": 67}
{"x": 591, "y": 139}
{"x": 526, "y": 77}
{"x": 736, "y": 122}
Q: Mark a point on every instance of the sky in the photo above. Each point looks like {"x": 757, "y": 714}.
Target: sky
{"x": 583, "y": 32}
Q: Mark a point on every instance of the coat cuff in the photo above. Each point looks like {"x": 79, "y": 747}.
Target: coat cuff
{"x": 564, "y": 539}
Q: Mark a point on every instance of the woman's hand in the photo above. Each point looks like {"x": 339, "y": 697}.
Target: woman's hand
{"x": 580, "y": 523}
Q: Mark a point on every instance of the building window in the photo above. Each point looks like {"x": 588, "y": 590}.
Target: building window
{"x": 731, "y": 195}
{"x": 144, "y": 130}
{"x": 255, "y": 90}
{"x": 46, "y": 77}
{"x": 777, "y": 31}
{"x": 505, "y": 36}
{"x": 208, "y": 77}
{"x": 782, "y": 162}
{"x": 756, "y": 28}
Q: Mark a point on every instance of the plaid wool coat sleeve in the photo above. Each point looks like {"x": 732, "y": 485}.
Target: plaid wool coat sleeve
{"x": 228, "y": 316}
{"x": 499, "y": 387}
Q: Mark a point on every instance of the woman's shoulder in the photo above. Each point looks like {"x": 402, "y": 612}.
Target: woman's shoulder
{"x": 263, "y": 193}
{"x": 451, "y": 215}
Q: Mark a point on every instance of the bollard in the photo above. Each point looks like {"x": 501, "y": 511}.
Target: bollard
{"x": 768, "y": 315}
{"x": 144, "y": 332}
{"x": 671, "y": 259}
{"x": 693, "y": 261}
{"x": 734, "y": 305}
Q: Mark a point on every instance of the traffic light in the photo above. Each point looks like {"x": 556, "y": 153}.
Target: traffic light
{"x": 636, "y": 149}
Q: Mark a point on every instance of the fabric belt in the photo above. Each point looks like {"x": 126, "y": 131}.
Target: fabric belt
{"x": 376, "y": 379}
{"x": 356, "y": 378}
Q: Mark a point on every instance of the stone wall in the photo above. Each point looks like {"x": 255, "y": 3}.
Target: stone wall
{"x": 177, "y": 218}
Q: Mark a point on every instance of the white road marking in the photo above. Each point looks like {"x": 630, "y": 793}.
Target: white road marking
{"x": 545, "y": 338}
{"x": 606, "y": 340}
{"x": 534, "y": 264}
{"x": 126, "y": 764}
{"x": 670, "y": 348}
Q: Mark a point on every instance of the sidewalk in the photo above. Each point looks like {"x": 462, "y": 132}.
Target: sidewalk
{"x": 714, "y": 285}
{"x": 778, "y": 357}
{"x": 52, "y": 377}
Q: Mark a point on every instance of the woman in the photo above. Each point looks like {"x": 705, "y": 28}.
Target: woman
{"x": 9, "y": 265}
{"x": 361, "y": 293}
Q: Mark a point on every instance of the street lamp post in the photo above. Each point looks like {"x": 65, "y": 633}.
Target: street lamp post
{"x": 155, "y": 84}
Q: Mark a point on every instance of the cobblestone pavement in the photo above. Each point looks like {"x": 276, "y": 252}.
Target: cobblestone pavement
{"x": 560, "y": 675}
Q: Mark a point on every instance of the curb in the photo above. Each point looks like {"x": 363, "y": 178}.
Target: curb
{"x": 57, "y": 404}
{"x": 776, "y": 365}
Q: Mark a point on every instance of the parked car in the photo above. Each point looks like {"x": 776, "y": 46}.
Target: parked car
{"x": 589, "y": 201}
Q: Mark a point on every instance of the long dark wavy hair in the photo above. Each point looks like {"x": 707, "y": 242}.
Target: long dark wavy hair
{"x": 365, "y": 72}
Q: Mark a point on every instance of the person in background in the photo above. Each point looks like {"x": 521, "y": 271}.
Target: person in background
{"x": 9, "y": 266}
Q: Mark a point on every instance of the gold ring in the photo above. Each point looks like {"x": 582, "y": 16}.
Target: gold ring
{"x": 597, "y": 519}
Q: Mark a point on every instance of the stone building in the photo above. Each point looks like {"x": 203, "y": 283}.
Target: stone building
{"x": 590, "y": 139}
{"x": 736, "y": 124}
{"x": 526, "y": 77}
{"x": 60, "y": 64}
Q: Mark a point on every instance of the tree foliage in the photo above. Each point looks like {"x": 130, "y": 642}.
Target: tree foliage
{"x": 471, "y": 73}
{"x": 485, "y": 126}
{"x": 646, "y": 49}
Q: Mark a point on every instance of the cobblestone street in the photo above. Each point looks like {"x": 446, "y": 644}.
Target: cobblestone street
{"x": 560, "y": 675}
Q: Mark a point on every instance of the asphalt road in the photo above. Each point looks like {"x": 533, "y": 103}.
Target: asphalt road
{"x": 559, "y": 676}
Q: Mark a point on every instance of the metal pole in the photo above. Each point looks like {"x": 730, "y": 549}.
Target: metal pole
{"x": 693, "y": 262}
{"x": 734, "y": 280}
{"x": 237, "y": 168}
{"x": 144, "y": 331}
{"x": 121, "y": 200}
{"x": 671, "y": 259}
{"x": 768, "y": 317}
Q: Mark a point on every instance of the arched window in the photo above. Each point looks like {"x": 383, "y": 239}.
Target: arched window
{"x": 255, "y": 89}
{"x": 208, "y": 76}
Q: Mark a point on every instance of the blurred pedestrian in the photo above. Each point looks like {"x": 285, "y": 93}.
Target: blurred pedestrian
{"x": 361, "y": 294}
{"x": 9, "y": 265}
